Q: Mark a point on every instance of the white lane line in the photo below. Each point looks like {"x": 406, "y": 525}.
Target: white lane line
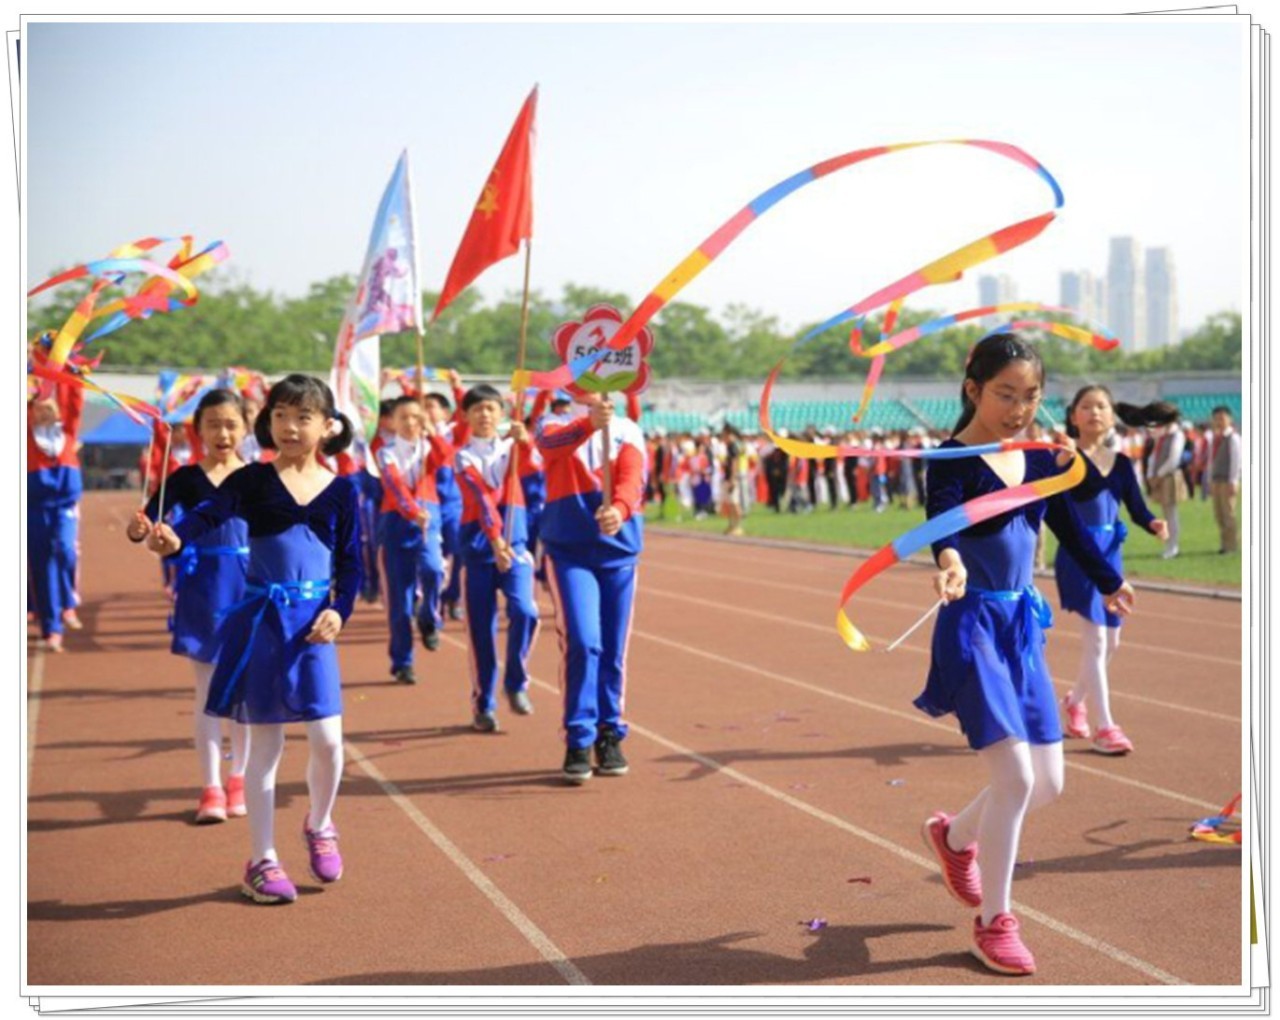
{"x": 35, "y": 685}
{"x": 919, "y": 718}
{"x": 793, "y": 622}
{"x": 836, "y": 552}
{"x": 830, "y": 593}
{"x": 532, "y": 933}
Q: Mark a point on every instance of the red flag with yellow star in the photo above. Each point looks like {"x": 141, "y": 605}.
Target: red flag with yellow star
{"x": 504, "y": 214}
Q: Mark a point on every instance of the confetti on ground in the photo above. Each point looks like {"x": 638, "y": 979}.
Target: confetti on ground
{"x": 861, "y": 878}
{"x": 601, "y": 879}
{"x": 897, "y": 782}
{"x": 1023, "y": 864}
{"x": 817, "y": 924}
{"x": 800, "y": 786}
{"x": 499, "y": 857}
{"x": 785, "y": 717}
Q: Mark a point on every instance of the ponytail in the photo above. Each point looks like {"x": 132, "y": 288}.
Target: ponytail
{"x": 1158, "y": 412}
{"x": 337, "y": 443}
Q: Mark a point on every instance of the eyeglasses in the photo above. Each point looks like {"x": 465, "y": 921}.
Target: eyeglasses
{"x": 1013, "y": 400}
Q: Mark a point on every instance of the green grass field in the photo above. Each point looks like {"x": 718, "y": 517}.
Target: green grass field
{"x": 862, "y": 528}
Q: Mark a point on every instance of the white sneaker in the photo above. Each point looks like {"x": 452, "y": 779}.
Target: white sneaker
{"x": 1169, "y": 554}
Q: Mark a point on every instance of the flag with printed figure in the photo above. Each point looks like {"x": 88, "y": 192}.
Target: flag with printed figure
{"x": 503, "y": 216}
{"x": 387, "y": 300}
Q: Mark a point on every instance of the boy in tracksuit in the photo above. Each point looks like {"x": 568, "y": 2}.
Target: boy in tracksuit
{"x": 54, "y": 485}
{"x": 409, "y": 533}
{"x": 591, "y": 551}
{"x": 494, "y": 536}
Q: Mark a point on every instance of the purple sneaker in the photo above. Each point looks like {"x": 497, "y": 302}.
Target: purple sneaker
{"x": 326, "y": 862}
{"x": 266, "y": 882}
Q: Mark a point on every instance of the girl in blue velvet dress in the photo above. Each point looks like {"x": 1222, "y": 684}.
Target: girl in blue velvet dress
{"x": 209, "y": 577}
{"x": 1110, "y": 483}
{"x": 988, "y": 662}
{"x": 276, "y": 659}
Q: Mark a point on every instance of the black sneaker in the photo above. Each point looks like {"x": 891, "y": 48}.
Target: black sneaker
{"x": 577, "y": 765}
{"x": 430, "y": 636}
{"x": 485, "y": 722}
{"x": 519, "y": 702}
{"x": 404, "y": 675}
{"x": 610, "y": 760}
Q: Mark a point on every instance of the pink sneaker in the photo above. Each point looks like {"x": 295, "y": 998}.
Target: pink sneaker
{"x": 235, "y": 797}
{"x": 1111, "y": 740}
{"x": 213, "y": 806}
{"x": 1077, "y": 719}
{"x": 999, "y": 946}
{"x": 322, "y": 846}
{"x": 960, "y": 872}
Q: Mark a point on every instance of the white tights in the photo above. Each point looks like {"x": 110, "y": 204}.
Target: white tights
{"x": 208, "y": 731}
{"x": 1097, "y": 644}
{"x": 1022, "y": 777}
{"x": 324, "y": 772}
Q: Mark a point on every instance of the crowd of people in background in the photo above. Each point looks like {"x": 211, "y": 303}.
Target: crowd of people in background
{"x": 731, "y": 473}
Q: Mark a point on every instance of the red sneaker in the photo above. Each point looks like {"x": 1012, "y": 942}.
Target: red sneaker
{"x": 235, "y": 797}
{"x": 999, "y": 946}
{"x": 213, "y": 806}
{"x": 1077, "y": 719}
{"x": 960, "y": 872}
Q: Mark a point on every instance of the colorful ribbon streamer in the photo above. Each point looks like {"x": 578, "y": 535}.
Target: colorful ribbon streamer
{"x": 945, "y": 269}
{"x": 156, "y": 293}
{"x": 69, "y": 375}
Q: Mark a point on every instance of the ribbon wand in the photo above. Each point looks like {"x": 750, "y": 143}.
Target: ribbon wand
{"x": 918, "y": 624}
{"x": 164, "y": 474}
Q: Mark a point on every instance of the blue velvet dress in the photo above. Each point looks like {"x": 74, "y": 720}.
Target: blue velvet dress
{"x": 302, "y": 561}
{"x": 209, "y": 573}
{"x": 988, "y": 662}
{"x": 1098, "y": 499}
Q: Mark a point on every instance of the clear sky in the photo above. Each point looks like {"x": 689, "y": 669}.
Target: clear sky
{"x": 278, "y": 139}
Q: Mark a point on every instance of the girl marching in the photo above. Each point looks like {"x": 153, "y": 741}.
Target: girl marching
{"x": 276, "y": 658}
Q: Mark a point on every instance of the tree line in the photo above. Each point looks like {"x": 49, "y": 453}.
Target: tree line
{"x": 236, "y": 324}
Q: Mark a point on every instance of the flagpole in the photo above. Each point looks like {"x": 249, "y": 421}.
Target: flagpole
{"x": 514, "y": 463}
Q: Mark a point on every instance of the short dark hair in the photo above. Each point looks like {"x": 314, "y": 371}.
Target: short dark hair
{"x": 400, "y": 402}
{"x": 385, "y": 407}
{"x": 479, "y": 394}
{"x": 438, "y": 398}
{"x": 217, "y": 398}
{"x": 1222, "y": 409}
{"x": 559, "y": 404}
{"x": 308, "y": 392}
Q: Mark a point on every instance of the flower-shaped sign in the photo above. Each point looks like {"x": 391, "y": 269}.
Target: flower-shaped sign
{"x": 621, "y": 371}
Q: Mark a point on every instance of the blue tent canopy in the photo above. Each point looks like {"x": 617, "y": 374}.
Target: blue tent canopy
{"x": 119, "y": 429}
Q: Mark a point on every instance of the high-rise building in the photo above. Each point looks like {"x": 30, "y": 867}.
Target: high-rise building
{"x": 1126, "y": 297}
{"x": 995, "y": 290}
{"x": 1081, "y": 291}
{"x": 1162, "y": 298}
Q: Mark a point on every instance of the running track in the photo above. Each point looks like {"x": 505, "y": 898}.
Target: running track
{"x": 770, "y": 768}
